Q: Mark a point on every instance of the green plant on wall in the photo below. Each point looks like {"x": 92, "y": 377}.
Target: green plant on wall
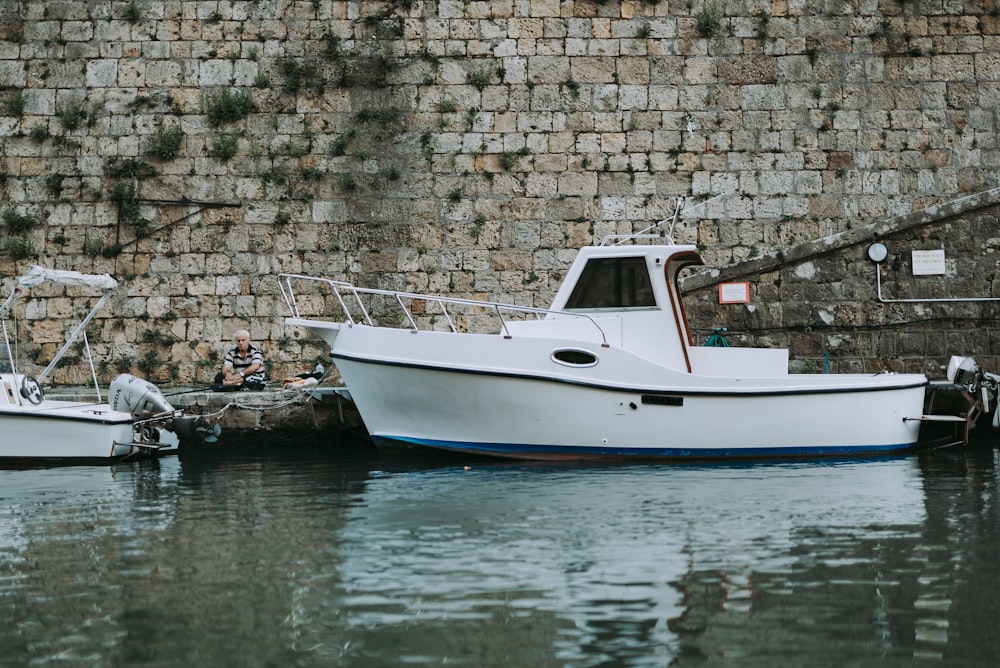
{"x": 150, "y": 362}
{"x": 129, "y": 168}
{"x": 477, "y": 225}
{"x": 508, "y": 159}
{"x": 17, "y": 223}
{"x": 708, "y": 20}
{"x": 39, "y": 132}
{"x": 225, "y": 145}
{"x": 312, "y": 173}
{"x": 133, "y": 14}
{"x": 160, "y": 339}
{"x": 297, "y": 74}
{"x": 338, "y": 146}
{"x": 54, "y": 184}
{"x": 72, "y": 115}
{"x": 386, "y": 121}
{"x": 92, "y": 246}
{"x": 166, "y": 143}
{"x": 14, "y": 104}
{"x": 124, "y": 194}
{"x": 763, "y": 21}
{"x": 18, "y": 247}
{"x": 229, "y": 106}
{"x": 123, "y": 364}
{"x": 347, "y": 181}
{"x": 368, "y": 67}
{"x": 481, "y": 76}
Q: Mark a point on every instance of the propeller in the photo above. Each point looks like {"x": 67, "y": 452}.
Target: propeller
{"x": 208, "y": 433}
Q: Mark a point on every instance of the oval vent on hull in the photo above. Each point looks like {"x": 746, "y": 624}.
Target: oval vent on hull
{"x": 574, "y": 357}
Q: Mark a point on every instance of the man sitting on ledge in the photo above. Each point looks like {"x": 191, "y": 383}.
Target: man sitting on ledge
{"x": 243, "y": 368}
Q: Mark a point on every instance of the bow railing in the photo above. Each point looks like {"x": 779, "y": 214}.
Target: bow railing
{"x": 355, "y": 304}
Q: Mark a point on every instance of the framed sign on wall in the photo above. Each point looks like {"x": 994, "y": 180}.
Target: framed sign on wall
{"x": 734, "y": 293}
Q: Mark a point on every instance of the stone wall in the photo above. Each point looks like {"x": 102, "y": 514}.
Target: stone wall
{"x": 837, "y": 311}
{"x": 196, "y": 149}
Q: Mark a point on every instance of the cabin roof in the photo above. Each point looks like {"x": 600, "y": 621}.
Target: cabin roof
{"x": 662, "y": 251}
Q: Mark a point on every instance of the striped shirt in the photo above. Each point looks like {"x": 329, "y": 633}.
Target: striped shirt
{"x": 240, "y": 364}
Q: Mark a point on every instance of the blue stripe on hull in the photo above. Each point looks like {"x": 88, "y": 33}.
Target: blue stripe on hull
{"x": 527, "y": 451}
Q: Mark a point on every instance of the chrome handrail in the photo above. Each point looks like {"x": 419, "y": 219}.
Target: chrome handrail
{"x": 342, "y": 289}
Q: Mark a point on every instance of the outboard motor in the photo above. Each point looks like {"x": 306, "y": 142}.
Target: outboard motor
{"x": 139, "y": 397}
{"x": 963, "y": 371}
{"x": 981, "y": 384}
{"x": 144, "y": 400}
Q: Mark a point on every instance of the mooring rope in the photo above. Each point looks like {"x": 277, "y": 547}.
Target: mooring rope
{"x": 303, "y": 394}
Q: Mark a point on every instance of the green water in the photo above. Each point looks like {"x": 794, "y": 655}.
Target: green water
{"x": 313, "y": 557}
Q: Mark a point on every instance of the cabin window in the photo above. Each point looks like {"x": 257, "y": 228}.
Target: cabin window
{"x": 616, "y": 282}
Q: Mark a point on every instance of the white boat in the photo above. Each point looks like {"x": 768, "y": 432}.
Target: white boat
{"x": 137, "y": 419}
{"x": 609, "y": 370}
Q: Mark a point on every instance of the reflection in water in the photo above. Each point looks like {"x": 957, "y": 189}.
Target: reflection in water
{"x": 956, "y": 591}
{"x": 309, "y": 558}
{"x": 636, "y": 563}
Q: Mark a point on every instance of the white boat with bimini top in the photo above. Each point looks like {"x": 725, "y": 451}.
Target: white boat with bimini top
{"x": 609, "y": 370}
{"x": 136, "y": 420}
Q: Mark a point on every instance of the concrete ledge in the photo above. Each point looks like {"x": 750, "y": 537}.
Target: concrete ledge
{"x": 285, "y": 411}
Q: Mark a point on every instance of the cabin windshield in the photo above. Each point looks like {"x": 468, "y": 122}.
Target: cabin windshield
{"x": 615, "y": 282}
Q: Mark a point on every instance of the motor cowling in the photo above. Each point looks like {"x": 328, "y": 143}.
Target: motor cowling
{"x": 963, "y": 371}
{"x": 131, "y": 394}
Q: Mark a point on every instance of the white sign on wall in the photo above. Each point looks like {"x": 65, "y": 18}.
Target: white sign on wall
{"x": 734, "y": 293}
{"x": 928, "y": 262}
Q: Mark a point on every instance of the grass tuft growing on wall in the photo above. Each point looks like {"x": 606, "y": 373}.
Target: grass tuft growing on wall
{"x": 229, "y": 106}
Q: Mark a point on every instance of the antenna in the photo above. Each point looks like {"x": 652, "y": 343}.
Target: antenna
{"x": 668, "y": 233}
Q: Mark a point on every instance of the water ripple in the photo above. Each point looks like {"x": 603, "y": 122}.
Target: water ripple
{"x": 306, "y": 559}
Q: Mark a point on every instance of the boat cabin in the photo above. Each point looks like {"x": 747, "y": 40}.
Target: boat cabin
{"x": 632, "y": 294}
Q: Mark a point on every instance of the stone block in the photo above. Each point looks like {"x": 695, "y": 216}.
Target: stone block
{"x": 759, "y": 97}
{"x": 101, "y": 73}
{"x": 77, "y": 31}
{"x": 548, "y": 69}
{"x": 578, "y": 184}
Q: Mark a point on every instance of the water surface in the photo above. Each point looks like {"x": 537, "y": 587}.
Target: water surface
{"x": 314, "y": 557}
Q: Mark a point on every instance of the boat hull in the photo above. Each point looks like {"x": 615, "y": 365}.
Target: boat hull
{"x": 58, "y": 431}
{"x": 441, "y": 394}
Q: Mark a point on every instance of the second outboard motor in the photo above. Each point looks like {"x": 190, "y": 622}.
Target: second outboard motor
{"x": 963, "y": 371}
{"x": 134, "y": 395}
{"x": 982, "y": 385}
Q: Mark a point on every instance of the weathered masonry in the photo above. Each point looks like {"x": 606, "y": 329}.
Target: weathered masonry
{"x": 838, "y": 311}
{"x": 194, "y": 150}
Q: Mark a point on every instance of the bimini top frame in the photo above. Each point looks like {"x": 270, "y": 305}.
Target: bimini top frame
{"x": 37, "y": 275}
